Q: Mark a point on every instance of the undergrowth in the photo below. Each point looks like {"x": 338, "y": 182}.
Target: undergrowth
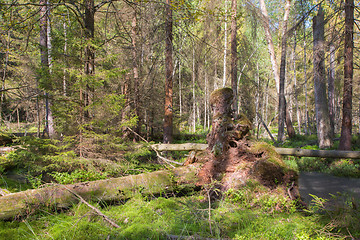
{"x": 232, "y": 217}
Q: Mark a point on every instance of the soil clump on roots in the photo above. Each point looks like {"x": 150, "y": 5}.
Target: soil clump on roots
{"x": 232, "y": 159}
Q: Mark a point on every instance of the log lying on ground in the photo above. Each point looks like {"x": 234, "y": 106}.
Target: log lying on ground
{"x": 282, "y": 151}
{"x": 318, "y": 153}
{"x": 110, "y": 190}
{"x": 180, "y": 147}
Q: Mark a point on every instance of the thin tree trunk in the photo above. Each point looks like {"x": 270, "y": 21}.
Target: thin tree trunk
{"x": 307, "y": 127}
{"x": 89, "y": 23}
{"x": 331, "y": 87}
{"x": 180, "y": 90}
{"x": 296, "y": 88}
{"x": 346, "y": 126}
{"x": 65, "y": 53}
{"x": 4, "y": 76}
{"x": 234, "y": 54}
{"x": 43, "y": 52}
{"x": 206, "y": 93}
{"x": 135, "y": 70}
{"x": 49, "y": 128}
{"x": 225, "y": 45}
{"x": 193, "y": 88}
{"x": 270, "y": 43}
{"x": 168, "y": 120}
{"x": 284, "y": 116}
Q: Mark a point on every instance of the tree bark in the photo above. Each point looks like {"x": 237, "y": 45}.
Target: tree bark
{"x": 234, "y": 54}
{"x": 331, "y": 87}
{"x": 346, "y": 126}
{"x": 89, "y": 66}
{"x": 168, "y": 119}
{"x": 324, "y": 133}
{"x": 284, "y": 115}
{"x": 296, "y": 87}
{"x": 225, "y": 45}
{"x": 135, "y": 69}
{"x": 220, "y": 102}
{"x": 307, "y": 127}
{"x": 282, "y": 151}
{"x": 111, "y": 190}
{"x": 49, "y": 120}
{"x": 266, "y": 25}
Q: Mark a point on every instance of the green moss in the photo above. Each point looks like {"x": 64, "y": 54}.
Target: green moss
{"x": 221, "y": 95}
{"x": 269, "y": 150}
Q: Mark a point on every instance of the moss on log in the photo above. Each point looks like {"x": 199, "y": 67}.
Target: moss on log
{"x": 110, "y": 190}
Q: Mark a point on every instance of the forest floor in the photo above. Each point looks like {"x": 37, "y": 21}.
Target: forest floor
{"x": 239, "y": 214}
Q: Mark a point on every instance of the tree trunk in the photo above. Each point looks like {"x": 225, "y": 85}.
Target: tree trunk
{"x": 43, "y": 54}
{"x": 346, "y": 126}
{"x": 331, "y": 87}
{"x": 282, "y": 151}
{"x": 225, "y": 45}
{"x": 111, "y": 190}
{"x": 4, "y": 73}
{"x": 135, "y": 69}
{"x": 89, "y": 66}
{"x": 296, "y": 88}
{"x": 307, "y": 127}
{"x": 49, "y": 120}
{"x": 234, "y": 54}
{"x": 321, "y": 108}
{"x": 284, "y": 115}
{"x": 266, "y": 25}
{"x": 193, "y": 91}
{"x": 168, "y": 119}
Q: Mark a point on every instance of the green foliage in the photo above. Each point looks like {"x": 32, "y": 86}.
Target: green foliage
{"x": 77, "y": 176}
{"x": 337, "y": 167}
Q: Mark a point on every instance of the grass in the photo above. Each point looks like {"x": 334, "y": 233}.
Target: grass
{"x": 142, "y": 218}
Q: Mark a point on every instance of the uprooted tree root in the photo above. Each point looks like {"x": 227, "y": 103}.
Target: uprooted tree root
{"x": 231, "y": 159}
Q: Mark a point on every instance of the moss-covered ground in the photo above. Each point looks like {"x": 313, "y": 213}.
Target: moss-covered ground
{"x": 253, "y": 212}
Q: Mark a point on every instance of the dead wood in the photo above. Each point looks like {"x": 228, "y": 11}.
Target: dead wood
{"x": 111, "y": 190}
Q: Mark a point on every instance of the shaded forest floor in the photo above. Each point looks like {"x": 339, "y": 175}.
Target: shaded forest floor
{"x": 252, "y": 212}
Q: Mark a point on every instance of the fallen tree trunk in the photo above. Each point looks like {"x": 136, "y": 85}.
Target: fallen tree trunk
{"x": 180, "y": 147}
{"x": 318, "y": 153}
{"x": 282, "y": 151}
{"x": 111, "y": 190}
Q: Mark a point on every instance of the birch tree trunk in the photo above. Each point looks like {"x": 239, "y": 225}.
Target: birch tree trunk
{"x": 346, "y": 126}
{"x": 49, "y": 121}
{"x": 296, "y": 88}
{"x": 266, "y": 25}
{"x": 331, "y": 87}
{"x": 321, "y": 108}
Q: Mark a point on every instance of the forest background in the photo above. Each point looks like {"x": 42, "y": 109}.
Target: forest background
{"x": 94, "y": 67}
